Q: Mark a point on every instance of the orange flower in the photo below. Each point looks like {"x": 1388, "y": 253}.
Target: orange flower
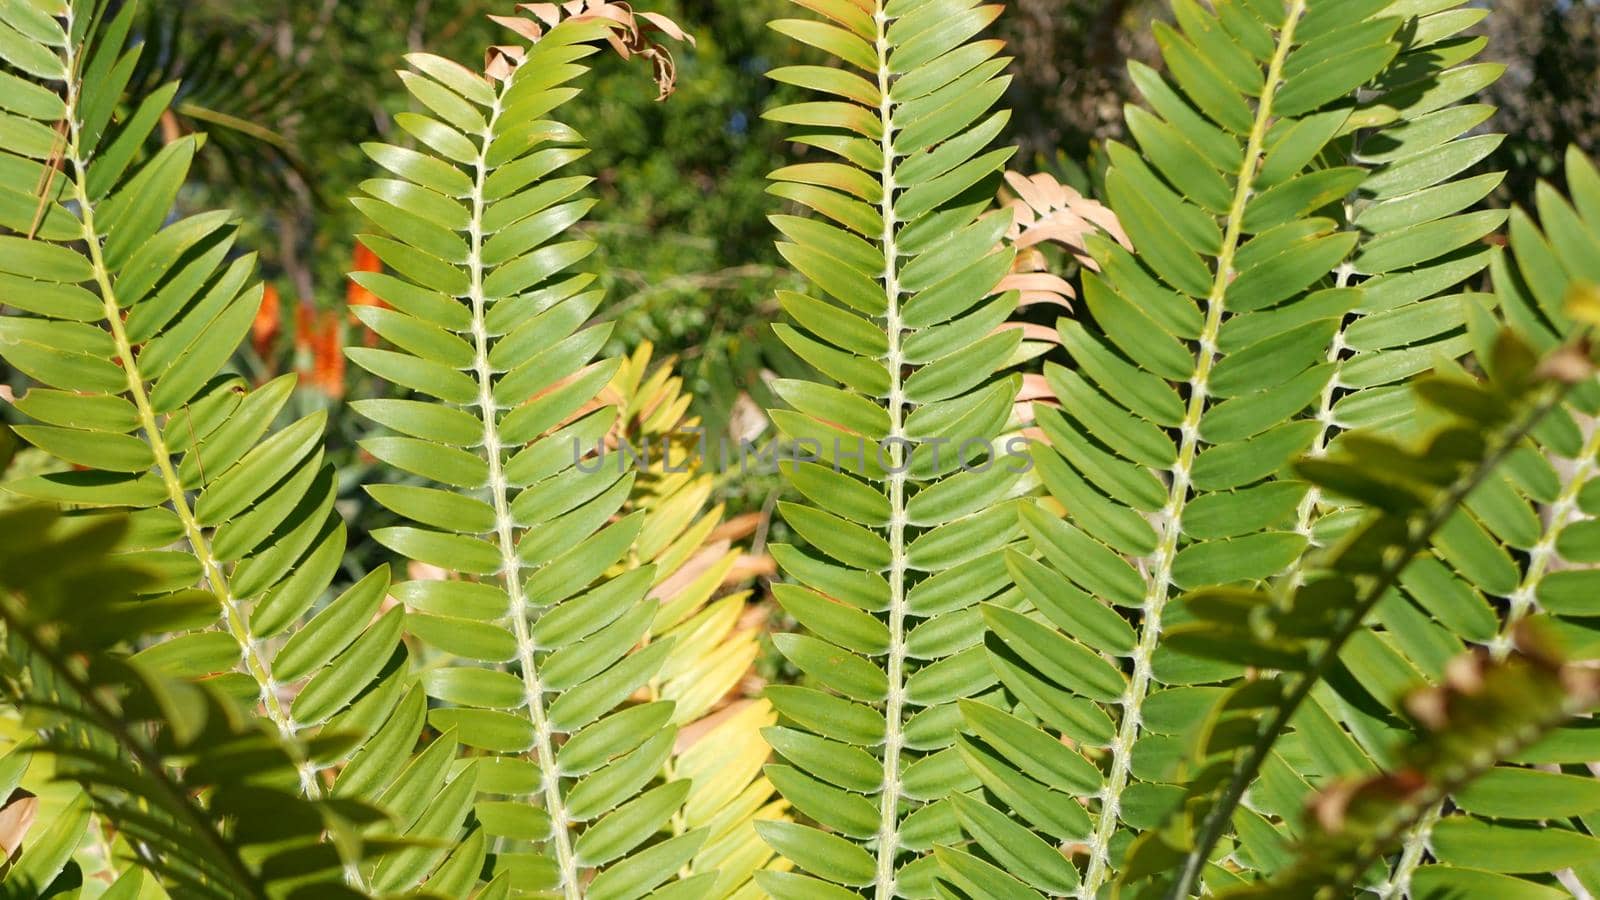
{"x": 328, "y": 354}
{"x": 304, "y": 335}
{"x": 269, "y": 320}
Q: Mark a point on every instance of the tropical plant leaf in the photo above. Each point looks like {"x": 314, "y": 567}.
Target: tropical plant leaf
{"x": 1192, "y": 387}
{"x": 1485, "y": 710}
{"x": 1486, "y": 570}
{"x": 210, "y": 796}
{"x": 700, "y": 583}
{"x": 1311, "y": 629}
{"x": 1417, "y": 245}
{"x": 905, "y": 474}
{"x": 128, "y": 321}
{"x": 1517, "y": 553}
{"x": 542, "y": 632}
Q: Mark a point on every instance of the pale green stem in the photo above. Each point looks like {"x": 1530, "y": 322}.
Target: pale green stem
{"x": 1308, "y": 505}
{"x": 888, "y": 844}
{"x": 1159, "y": 585}
{"x": 1416, "y": 843}
{"x": 1562, "y": 513}
{"x": 505, "y": 538}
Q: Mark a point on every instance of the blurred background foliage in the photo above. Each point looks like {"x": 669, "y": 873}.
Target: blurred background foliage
{"x": 288, "y": 90}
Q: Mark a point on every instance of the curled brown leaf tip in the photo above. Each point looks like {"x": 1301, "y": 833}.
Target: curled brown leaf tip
{"x": 630, "y": 34}
{"x": 502, "y": 60}
{"x": 1044, "y": 210}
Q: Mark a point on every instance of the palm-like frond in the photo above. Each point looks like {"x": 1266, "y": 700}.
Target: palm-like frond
{"x": 1400, "y": 174}
{"x": 1046, "y": 212}
{"x": 37, "y": 847}
{"x": 720, "y": 750}
{"x": 1498, "y": 552}
{"x": 1401, "y": 170}
{"x": 488, "y": 323}
{"x": 909, "y": 498}
{"x": 209, "y": 799}
{"x": 1487, "y": 709}
{"x": 1195, "y": 383}
{"x": 128, "y": 320}
{"x": 1545, "y": 272}
{"x": 124, "y": 339}
{"x": 1307, "y": 629}
{"x": 1521, "y": 549}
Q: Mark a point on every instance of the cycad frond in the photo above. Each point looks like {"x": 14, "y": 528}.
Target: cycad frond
{"x": 720, "y": 750}
{"x": 909, "y": 498}
{"x": 36, "y": 846}
{"x": 1401, "y": 161}
{"x": 1499, "y": 553}
{"x": 539, "y": 640}
{"x": 1546, "y": 273}
{"x": 1522, "y": 550}
{"x": 127, "y": 322}
{"x": 1398, "y": 161}
{"x": 209, "y": 798}
{"x": 1487, "y": 709}
{"x": 1307, "y": 631}
{"x": 1194, "y": 385}
{"x": 255, "y": 106}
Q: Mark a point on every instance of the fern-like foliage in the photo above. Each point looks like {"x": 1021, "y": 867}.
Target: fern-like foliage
{"x": 537, "y": 640}
{"x": 1394, "y": 174}
{"x": 1517, "y": 550}
{"x": 1496, "y": 554}
{"x": 1539, "y": 283}
{"x": 1207, "y": 363}
{"x": 719, "y": 748}
{"x": 1486, "y": 710}
{"x": 127, "y": 321}
{"x": 908, "y": 501}
{"x": 1303, "y": 630}
{"x": 208, "y": 796}
{"x": 1415, "y": 246}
